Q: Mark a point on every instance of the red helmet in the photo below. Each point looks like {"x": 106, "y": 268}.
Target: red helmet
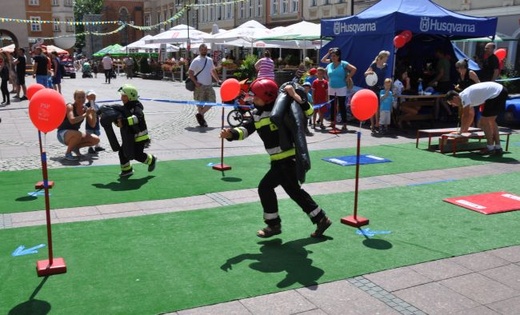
{"x": 265, "y": 89}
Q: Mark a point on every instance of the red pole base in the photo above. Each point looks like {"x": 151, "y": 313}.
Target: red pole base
{"x": 44, "y": 269}
{"x": 221, "y": 167}
{"x": 335, "y": 130}
{"x": 39, "y": 185}
{"x": 355, "y": 221}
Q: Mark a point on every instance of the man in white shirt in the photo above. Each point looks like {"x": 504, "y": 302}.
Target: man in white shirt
{"x": 493, "y": 97}
{"x": 202, "y": 72}
{"x": 107, "y": 67}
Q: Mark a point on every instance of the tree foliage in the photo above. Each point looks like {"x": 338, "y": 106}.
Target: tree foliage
{"x": 81, "y": 8}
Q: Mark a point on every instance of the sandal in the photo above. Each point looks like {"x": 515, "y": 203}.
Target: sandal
{"x": 321, "y": 227}
{"x": 269, "y": 231}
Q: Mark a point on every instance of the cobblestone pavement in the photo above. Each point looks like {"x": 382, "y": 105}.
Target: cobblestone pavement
{"x": 172, "y": 126}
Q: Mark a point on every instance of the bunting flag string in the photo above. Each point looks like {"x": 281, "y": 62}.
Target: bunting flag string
{"x": 179, "y": 14}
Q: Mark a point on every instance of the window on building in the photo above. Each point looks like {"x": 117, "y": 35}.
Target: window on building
{"x": 68, "y": 3}
{"x": 295, "y": 6}
{"x": 241, "y": 10}
{"x": 55, "y": 3}
{"x": 284, "y": 9}
{"x": 56, "y": 25}
{"x": 219, "y": 13}
{"x": 148, "y": 20}
{"x": 171, "y": 16}
{"x": 274, "y": 7}
{"x": 36, "y": 25}
{"x": 314, "y": 3}
{"x": 229, "y": 12}
{"x": 259, "y": 8}
{"x": 69, "y": 25}
{"x": 34, "y": 2}
{"x": 211, "y": 13}
{"x": 251, "y": 11}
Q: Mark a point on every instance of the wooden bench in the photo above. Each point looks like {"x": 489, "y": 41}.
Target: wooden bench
{"x": 426, "y": 110}
{"x": 455, "y": 143}
{"x": 437, "y": 132}
{"x": 425, "y": 103}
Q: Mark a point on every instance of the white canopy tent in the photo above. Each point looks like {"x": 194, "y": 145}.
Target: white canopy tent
{"x": 299, "y": 31}
{"x": 179, "y": 34}
{"x": 243, "y": 35}
{"x": 140, "y": 46}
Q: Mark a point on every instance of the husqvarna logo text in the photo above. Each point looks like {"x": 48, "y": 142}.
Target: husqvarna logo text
{"x": 428, "y": 24}
{"x": 340, "y": 28}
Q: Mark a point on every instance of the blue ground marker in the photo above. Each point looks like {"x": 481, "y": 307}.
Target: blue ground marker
{"x": 370, "y": 233}
{"x": 21, "y": 250}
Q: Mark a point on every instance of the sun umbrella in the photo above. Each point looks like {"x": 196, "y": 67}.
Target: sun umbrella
{"x": 177, "y": 35}
{"x": 51, "y": 48}
{"x": 112, "y": 50}
{"x": 8, "y": 48}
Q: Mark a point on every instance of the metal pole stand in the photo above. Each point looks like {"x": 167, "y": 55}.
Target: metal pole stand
{"x": 355, "y": 220}
{"x": 51, "y": 266}
{"x": 221, "y": 166}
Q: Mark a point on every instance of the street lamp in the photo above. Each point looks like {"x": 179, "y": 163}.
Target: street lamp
{"x": 188, "y": 43}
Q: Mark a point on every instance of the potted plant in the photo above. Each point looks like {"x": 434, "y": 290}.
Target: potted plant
{"x": 247, "y": 69}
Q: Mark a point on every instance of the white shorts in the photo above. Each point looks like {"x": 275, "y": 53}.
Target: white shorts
{"x": 338, "y": 92}
{"x": 384, "y": 117}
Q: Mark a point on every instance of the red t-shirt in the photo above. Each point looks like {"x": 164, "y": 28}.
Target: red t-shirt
{"x": 320, "y": 92}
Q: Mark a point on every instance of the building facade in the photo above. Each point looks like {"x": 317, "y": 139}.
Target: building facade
{"x": 206, "y": 15}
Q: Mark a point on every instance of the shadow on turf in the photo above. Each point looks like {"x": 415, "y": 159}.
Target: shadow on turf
{"x": 231, "y": 179}
{"x": 125, "y": 183}
{"x": 32, "y": 306}
{"x": 486, "y": 158}
{"x": 290, "y": 258}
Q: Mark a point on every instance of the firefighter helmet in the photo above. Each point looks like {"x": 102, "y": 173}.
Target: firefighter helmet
{"x": 265, "y": 89}
{"x": 130, "y": 91}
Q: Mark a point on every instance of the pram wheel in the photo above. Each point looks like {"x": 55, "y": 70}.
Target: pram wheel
{"x": 237, "y": 117}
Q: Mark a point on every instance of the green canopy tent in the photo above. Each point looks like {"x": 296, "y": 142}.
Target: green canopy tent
{"x": 114, "y": 50}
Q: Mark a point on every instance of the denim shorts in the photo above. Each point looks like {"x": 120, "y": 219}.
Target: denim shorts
{"x": 61, "y": 136}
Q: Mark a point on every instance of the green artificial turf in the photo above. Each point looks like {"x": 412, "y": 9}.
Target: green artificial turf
{"x": 168, "y": 262}
{"x": 96, "y": 185}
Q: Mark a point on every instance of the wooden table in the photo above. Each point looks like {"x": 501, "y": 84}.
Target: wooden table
{"x": 437, "y": 132}
{"x": 452, "y": 142}
{"x": 420, "y": 101}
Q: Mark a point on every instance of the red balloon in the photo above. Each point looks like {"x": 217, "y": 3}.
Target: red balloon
{"x": 501, "y": 53}
{"x": 364, "y": 104}
{"x": 229, "y": 90}
{"x": 407, "y": 35}
{"x": 399, "y": 41}
{"x": 47, "y": 109}
{"x": 33, "y": 88}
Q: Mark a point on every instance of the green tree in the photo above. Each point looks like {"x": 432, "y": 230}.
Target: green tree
{"x": 82, "y": 7}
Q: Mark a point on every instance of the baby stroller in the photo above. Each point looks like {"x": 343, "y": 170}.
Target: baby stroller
{"x": 241, "y": 111}
{"x": 87, "y": 70}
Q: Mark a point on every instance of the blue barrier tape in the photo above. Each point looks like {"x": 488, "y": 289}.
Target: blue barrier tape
{"x": 173, "y": 101}
{"x": 508, "y": 79}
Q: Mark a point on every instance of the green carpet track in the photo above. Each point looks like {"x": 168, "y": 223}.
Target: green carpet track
{"x": 96, "y": 185}
{"x": 168, "y": 262}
